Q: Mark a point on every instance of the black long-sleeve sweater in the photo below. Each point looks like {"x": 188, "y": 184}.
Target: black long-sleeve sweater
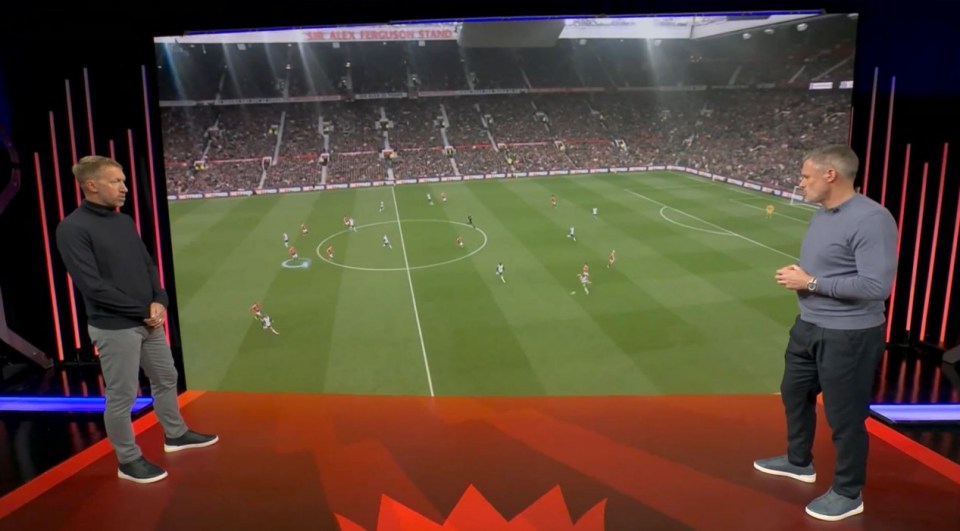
{"x": 110, "y": 266}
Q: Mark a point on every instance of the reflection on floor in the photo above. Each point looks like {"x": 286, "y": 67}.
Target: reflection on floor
{"x": 328, "y": 462}
{"x": 628, "y": 454}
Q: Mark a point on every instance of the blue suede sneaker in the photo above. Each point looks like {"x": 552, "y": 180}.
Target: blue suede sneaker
{"x": 832, "y": 506}
{"x": 781, "y": 466}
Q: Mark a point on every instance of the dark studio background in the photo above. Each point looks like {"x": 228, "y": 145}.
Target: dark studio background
{"x": 42, "y": 45}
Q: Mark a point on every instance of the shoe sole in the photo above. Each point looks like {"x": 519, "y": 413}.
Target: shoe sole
{"x": 170, "y": 449}
{"x": 142, "y": 481}
{"x": 806, "y": 479}
{"x": 829, "y": 518}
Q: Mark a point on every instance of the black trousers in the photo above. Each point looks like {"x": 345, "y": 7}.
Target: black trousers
{"x": 842, "y": 364}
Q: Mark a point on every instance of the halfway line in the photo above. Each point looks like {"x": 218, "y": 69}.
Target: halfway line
{"x": 406, "y": 265}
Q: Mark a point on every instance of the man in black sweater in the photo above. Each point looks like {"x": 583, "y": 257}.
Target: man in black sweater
{"x": 126, "y": 309}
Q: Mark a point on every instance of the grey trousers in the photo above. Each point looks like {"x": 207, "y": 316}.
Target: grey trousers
{"x": 122, "y": 353}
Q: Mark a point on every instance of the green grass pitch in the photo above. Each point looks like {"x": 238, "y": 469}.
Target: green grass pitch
{"x": 690, "y": 306}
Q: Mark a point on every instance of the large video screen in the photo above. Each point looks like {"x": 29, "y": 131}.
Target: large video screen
{"x": 565, "y": 206}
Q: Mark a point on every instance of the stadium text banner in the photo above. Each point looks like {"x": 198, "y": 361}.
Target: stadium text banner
{"x": 575, "y": 28}
{"x": 418, "y": 32}
{"x": 381, "y": 34}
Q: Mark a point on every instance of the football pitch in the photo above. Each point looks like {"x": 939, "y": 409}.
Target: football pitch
{"x": 689, "y": 307}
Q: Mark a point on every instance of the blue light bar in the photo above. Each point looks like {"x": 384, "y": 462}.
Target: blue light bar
{"x": 918, "y": 412}
{"x": 63, "y": 404}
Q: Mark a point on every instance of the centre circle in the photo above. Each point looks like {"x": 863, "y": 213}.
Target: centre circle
{"x": 437, "y": 264}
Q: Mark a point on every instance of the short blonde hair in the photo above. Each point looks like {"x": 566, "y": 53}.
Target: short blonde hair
{"x": 90, "y": 166}
{"x": 839, "y": 157}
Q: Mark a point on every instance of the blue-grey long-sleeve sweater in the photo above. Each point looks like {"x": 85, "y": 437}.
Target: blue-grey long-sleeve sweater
{"x": 852, "y": 250}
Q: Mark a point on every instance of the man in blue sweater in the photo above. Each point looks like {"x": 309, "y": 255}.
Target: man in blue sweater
{"x": 126, "y": 309}
{"x": 848, "y": 260}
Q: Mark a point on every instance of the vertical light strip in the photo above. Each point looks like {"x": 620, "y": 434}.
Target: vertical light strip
{"x": 935, "y": 392}
{"x": 56, "y": 163}
{"x": 933, "y": 244}
{"x": 900, "y": 220}
{"x": 953, "y": 264}
{"x": 882, "y": 393}
{"x": 901, "y": 378}
{"x": 113, "y": 155}
{"x": 850, "y": 127}
{"x": 916, "y": 248}
{"x": 153, "y": 187}
{"x": 86, "y": 84}
{"x": 56, "y": 179}
{"x": 73, "y": 137}
{"x": 873, "y": 106}
{"x": 917, "y": 371}
{"x": 133, "y": 180}
{"x": 886, "y": 150}
{"x": 66, "y": 385}
{"x": 46, "y": 248}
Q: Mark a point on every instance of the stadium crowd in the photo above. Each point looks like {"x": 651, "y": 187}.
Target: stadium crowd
{"x": 750, "y": 135}
{"x": 754, "y": 133}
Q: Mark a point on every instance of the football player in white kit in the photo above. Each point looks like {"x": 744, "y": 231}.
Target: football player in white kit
{"x": 572, "y": 234}
{"x": 268, "y": 324}
{"x": 381, "y": 206}
{"x": 500, "y": 272}
{"x": 386, "y": 242}
{"x": 585, "y": 281}
{"x": 286, "y": 240}
{"x": 594, "y": 212}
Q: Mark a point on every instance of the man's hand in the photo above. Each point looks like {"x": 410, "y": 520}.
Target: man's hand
{"x": 793, "y": 277}
{"x": 158, "y": 314}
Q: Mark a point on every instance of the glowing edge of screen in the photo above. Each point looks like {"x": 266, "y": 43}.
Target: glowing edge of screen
{"x": 917, "y": 412}
{"x": 61, "y": 404}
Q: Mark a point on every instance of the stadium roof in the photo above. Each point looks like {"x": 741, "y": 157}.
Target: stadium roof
{"x": 684, "y": 27}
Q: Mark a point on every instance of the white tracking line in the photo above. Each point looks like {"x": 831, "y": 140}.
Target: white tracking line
{"x": 663, "y": 214}
{"x": 728, "y": 231}
{"x": 775, "y": 213}
{"x": 416, "y": 313}
{"x": 750, "y": 192}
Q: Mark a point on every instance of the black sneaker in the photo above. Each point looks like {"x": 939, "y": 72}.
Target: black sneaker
{"x": 141, "y": 471}
{"x": 188, "y": 440}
